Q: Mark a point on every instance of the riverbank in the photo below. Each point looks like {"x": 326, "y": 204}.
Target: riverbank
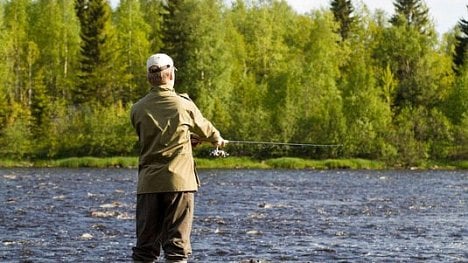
{"x": 231, "y": 163}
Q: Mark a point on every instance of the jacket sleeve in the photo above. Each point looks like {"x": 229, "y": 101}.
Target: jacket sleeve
{"x": 202, "y": 127}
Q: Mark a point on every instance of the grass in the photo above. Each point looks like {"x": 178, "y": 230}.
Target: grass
{"x": 76, "y": 162}
{"x": 230, "y": 163}
{"x": 461, "y": 164}
{"x": 227, "y": 163}
{"x": 298, "y": 163}
{"x": 8, "y": 163}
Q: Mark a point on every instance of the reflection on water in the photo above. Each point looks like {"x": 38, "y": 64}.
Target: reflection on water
{"x": 87, "y": 215}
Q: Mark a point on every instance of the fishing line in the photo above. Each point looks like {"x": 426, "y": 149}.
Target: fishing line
{"x": 285, "y": 143}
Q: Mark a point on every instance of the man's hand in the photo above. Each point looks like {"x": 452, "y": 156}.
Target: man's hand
{"x": 221, "y": 143}
{"x": 194, "y": 140}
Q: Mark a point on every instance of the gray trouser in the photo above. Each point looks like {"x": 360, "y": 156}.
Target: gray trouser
{"x": 163, "y": 220}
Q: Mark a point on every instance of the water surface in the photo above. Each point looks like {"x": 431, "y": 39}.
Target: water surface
{"x": 87, "y": 215}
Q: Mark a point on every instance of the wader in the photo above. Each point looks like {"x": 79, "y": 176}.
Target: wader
{"x": 163, "y": 220}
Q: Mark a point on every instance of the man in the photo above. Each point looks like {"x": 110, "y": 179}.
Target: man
{"x": 167, "y": 181}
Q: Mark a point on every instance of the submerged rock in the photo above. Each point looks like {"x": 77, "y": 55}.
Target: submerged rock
{"x": 86, "y": 236}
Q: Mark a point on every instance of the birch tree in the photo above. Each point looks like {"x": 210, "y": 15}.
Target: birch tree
{"x": 134, "y": 48}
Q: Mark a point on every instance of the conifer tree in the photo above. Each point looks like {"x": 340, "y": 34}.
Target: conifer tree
{"x": 461, "y": 46}
{"x": 457, "y": 103}
{"x": 412, "y": 13}
{"x": 94, "y": 84}
{"x": 40, "y": 101}
{"x": 407, "y": 47}
{"x": 195, "y": 38}
{"x": 176, "y": 37}
{"x": 342, "y": 11}
{"x": 153, "y": 12}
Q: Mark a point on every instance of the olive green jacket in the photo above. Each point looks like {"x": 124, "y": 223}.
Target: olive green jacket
{"x": 164, "y": 121}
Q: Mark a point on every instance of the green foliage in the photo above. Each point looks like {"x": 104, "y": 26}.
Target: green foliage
{"x": 420, "y": 134}
{"x": 95, "y": 74}
{"x": 134, "y": 48}
{"x": 96, "y": 131}
{"x": 175, "y": 36}
{"x": 460, "y": 150}
{"x": 297, "y": 163}
{"x": 461, "y": 164}
{"x": 196, "y": 41}
{"x": 320, "y": 115}
{"x": 272, "y": 78}
{"x": 290, "y": 163}
{"x": 8, "y": 163}
{"x": 16, "y": 28}
{"x": 153, "y": 12}
{"x": 366, "y": 100}
{"x": 56, "y": 32}
{"x": 4, "y": 70}
{"x": 16, "y": 140}
{"x": 383, "y": 87}
{"x": 456, "y": 106}
{"x": 230, "y": 163}
{"x": 39, "y": 102}
{"x": 414, "y": 14}
{"x": 75, "y": 162}
{"x": 406, "y": 48}
{"x": 342, "y": 10}
{"x": 461, "y": 47}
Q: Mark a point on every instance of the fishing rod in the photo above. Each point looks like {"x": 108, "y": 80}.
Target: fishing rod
{"x": 285, "y": 143}
{"x": 220, "y": 153}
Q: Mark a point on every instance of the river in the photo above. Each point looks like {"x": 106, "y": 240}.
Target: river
{"x": 87, "y": 215}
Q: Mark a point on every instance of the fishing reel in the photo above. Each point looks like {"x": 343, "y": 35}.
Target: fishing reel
{"x": 218, "y": 153}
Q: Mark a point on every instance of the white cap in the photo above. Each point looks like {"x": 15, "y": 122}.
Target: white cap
{"x": 162, "y": 61}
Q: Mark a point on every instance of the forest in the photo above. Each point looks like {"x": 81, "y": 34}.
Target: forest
{"x": 385, "y": 87}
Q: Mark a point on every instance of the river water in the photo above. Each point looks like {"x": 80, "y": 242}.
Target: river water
{"x": 87, "y": 215}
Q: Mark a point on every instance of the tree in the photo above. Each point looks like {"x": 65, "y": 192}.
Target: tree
{"x": 195, "y": 39}
{"x": 461, "y": 46}
{"x": 412, "y": 13}
{"x": 367, "y": 96}
{"x": 461, "y": 139}
{"x": 153, "y": 13}
{"x": 50, "y": 50}
{"x": 342, "y": 11}
{"x": 320, "y": 115}
{"x": 384, "y": 88}
{"x": 16, "y": 22}
{"x": 419, "y": 134}
{"x": 134, "y": 48}
{"x": 270, "y": 36}
{"x": 175, "y": 37}
{"x": 4, "y": 70}
{"x": 56, "y": 32}
{"x": 20, "y": 54}
{"x": 457, "y": 102}
{"x": 95, "y": 71}
{"x": 248, "y": 95}
{"x": 407, "y": 48}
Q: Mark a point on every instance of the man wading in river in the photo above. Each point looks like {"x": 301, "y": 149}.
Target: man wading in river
{"x": 167, "y": 179}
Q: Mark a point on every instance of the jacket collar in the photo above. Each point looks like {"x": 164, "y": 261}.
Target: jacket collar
{"x": 162, "y": 88}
